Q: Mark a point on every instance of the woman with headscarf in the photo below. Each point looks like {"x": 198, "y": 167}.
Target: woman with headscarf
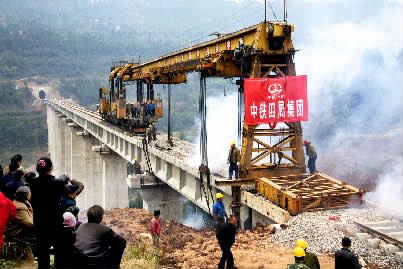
{"x": 21, "y": 228}
{"x": 67, "y": 251}
{"x": 48, "y": 215}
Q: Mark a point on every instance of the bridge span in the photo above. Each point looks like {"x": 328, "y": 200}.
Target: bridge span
{"x": 95, "y": 152}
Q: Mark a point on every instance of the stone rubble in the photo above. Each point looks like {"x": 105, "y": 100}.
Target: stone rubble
{"x": 324, "y": 235}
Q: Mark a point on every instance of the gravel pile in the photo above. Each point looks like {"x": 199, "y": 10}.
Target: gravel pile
{"x": 323, "y": 236}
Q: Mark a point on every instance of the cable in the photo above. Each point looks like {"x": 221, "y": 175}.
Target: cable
{"x": 272, "y": 10}
{"x": 203, "y": 119}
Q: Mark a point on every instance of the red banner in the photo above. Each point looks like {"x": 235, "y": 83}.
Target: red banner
{"x": 275, "y": 100}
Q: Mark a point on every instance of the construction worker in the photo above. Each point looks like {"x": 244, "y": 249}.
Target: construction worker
{"x": 299, "y": 255}
{"x": 136, "y": 166}
{"x": 310, "y": 259}
{"x": 155, "y": 229}
{"x": 234, "y": 157}
{"x": 148, "y": 134}
{"x": 345, "y": 258}
{"x": 311, "y": 152}
{"x": 154, "y": 131}
{"x": 219, "y": 211}
{"x": 226, "y": 238}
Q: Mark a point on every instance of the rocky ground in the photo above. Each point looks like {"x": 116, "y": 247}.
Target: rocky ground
{"x": 322, "y": 232}
{"x": 185, "y": 247}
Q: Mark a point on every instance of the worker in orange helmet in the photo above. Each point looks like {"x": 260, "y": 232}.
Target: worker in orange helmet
{"x": 311, "y": 152}
{"x": 310, "y": 259}
{"x": 234, "y": 157}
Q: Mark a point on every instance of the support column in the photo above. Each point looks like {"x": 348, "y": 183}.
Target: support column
{"x": 67, "y": 147}
{"x": 114, "y": 172}
{"x": 78, "y": 162}
{"x": 55, "y": 139}
{"x": 49, "y": 113}
{"x": 60, "y": 157}
{"x": 92, "y": 174}
{"x": 165, "y": 199}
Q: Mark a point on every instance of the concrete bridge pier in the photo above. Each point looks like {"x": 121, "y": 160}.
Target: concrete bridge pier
{"x": 164, "y": 198}
{"x": 114, "y": 172}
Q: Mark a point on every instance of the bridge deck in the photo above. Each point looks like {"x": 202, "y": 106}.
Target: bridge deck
{"x": 169, "y": 164}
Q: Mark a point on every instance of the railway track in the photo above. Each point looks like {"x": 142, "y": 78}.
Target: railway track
{"x": 81, "y": 110}
{"x": 390, "y": 231}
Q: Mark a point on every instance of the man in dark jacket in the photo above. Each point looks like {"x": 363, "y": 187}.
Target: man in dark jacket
{"x": 234, "y": 157}
{"x": 226, "y": 238}
{"x": 97, "y": 243}
{"x": 8, "y": 177}
{"x": 311, "y": 152}
{"x": 345, "y": 258}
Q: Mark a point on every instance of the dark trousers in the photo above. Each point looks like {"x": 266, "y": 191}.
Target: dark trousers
{"x": 312, "y": 165}
{"x": 233, "y": 167}
{"x": 226, "y": 257}
{"x": 45, "y": 241}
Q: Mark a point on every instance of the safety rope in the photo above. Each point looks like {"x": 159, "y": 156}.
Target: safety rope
{"x": 203, "y": 119}
{"x": 203, "y": 169}
{"x": 147, "y": 156}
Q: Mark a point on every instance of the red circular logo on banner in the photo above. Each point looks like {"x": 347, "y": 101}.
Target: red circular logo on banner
{"x": 275, "y": 88}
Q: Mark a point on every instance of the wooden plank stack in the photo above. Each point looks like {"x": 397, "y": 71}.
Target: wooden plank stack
{"x": 299, "y": 193}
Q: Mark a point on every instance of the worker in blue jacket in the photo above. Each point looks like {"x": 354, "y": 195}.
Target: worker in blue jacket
{"x": 219, "y": 211}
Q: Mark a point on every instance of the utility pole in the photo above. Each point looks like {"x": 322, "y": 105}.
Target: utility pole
{"x": 264, "y": 10}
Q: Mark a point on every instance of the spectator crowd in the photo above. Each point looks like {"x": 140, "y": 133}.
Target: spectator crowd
{"x": 39, "y": 211}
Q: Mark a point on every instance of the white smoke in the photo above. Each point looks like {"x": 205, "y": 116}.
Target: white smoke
{"x": 222, "y": 118}
{"x": 194, "y": 220}
{"x": 354, "y": 68}
{"x": 388, "y": 194}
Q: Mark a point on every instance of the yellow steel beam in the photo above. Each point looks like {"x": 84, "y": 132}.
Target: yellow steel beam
{"x": 215, "y": 55}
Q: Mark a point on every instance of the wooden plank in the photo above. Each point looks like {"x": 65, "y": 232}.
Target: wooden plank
{"x": 339, "y": 182}
{"x": 302, "y": 181}
{"x": 279, "y": 188}
{"x": 268, "y": 209}
{"x": 236, "y": 182}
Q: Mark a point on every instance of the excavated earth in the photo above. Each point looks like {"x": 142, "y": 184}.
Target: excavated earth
{"x": 184, "y": 247}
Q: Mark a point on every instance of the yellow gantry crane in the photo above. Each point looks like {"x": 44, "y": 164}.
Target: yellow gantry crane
{"x": 264, "y": 50}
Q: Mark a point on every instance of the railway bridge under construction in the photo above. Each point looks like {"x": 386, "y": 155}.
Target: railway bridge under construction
{"x": 97, "y": 153}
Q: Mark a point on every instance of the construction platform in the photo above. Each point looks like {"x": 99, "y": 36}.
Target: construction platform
{"x": 301, "y": 193}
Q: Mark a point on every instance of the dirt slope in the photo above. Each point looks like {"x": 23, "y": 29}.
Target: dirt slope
{"x": 185, "y": 247}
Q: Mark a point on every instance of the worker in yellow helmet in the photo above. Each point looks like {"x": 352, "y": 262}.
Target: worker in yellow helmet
{"x": 299, "y": 255}
{"x": 219, "y": 211}
{"x": 310, "y": 259}
{"x": 136, "y": 166}
{"x": 234, "y": 157}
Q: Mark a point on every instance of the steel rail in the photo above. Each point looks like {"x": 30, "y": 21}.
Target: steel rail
{"x": 379, "y": 234}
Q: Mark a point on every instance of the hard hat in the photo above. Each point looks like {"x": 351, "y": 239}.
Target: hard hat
{"x": 219, "y": 195}
{"x": 134, "y": 158}
{"x": 301, "y": 243}
{"x": 233, "y": 143}
{"x": 306, "y": 142}
{"x": 299, "y": 252}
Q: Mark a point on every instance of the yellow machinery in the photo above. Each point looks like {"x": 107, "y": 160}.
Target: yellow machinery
{"x": 134, "y": 117}
{"x": 264, "y": 50}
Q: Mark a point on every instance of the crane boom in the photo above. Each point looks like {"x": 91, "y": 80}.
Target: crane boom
{"x": 217, "y": 56}
{"x": 263, "y": 50}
